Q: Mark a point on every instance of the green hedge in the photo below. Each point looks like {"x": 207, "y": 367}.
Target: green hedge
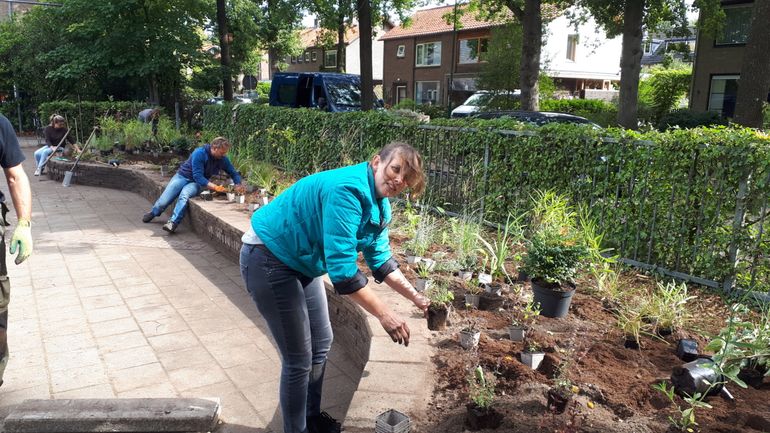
{"x": 85, "y": 115}
{"x": 662, "y": 198}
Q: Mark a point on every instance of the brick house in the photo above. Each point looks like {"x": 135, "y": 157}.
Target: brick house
{"x": 9, "y": 9}
{"x": 316, "y": 57}
{"x": 718, "y": 62}
{"x": 418, "y": 62}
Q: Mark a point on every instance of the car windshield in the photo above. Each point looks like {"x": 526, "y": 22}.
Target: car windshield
{"x": 478, "y": 100}
{"x": 344, "y": 94}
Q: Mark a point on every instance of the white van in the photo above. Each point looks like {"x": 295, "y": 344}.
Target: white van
{"x": 485, "y": 98}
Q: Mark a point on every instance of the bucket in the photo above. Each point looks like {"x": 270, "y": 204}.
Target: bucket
{"x": 67, "y": 178}
{"x": 553, "y": 303}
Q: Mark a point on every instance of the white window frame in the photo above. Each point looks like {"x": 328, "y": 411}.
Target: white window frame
{"x": 401, "y": 51}
{"x": 418, "y": 97}
{"x": 307, "y": 56}
{"x": 718, "y": 98}
{"x": 314, "y": 56}
{"x": 478, "y": 58}
{"x": 748, "y": 6}
{"x": 327, "y": 54}
{"x": 420, "y": 50}
{"x": 572, "y": 43}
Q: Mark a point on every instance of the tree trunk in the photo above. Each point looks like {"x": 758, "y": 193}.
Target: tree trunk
{"x": 341, "y": 43}
{"x": 224, "y": 51}
{"x": 754, "y": 83}
{"x": 154, "y": 95}
{"x": 273, "y": 61}
{"x": 630, "y": 63}
{"x": 532, "y": 41}
{"x": 365, "y": 26}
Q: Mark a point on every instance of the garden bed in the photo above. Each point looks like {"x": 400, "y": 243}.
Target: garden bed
{"x": 616, "y": 381}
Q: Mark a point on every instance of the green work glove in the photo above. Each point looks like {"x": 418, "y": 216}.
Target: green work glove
{"x": 21, "y": 240}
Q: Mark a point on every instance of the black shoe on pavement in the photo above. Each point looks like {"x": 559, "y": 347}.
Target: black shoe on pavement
{"x": 170, "y": 226}
{"x": 148, "y": 217}
{"x": 323, "y": 423}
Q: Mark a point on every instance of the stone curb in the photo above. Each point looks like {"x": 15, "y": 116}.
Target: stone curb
{"x": 391, "y": 376}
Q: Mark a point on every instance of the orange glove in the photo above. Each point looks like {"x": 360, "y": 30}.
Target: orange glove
{"x": 219, "y": 188}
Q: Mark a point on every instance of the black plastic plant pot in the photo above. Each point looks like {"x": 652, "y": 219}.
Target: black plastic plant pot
{"x": 523, "y": 276}
{"x": 558, "y": 399}
{"x": 437, "y": 317}
{"x": 631, "y": 343}
{"x": 553, "y": 298}
{"x": 490, "y": 302}
{"x": 752, "y": 377}
{"x": 664, "y": 332}
{"x": 477, "y": 418}
{"x": 696, "y": 377}
{"x": 687, "y": 350}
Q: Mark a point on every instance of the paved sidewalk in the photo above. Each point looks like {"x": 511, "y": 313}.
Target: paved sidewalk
{"x": 110, "y": 307}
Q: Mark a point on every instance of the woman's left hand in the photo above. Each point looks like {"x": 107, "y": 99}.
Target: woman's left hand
{"x": 422, "y": 303}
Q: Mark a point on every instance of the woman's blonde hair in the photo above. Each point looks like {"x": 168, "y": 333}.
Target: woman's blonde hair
{"x": 413, "y": 174}
{"x": 56, "y": 118}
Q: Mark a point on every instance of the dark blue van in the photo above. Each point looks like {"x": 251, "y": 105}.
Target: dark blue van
{"x": 326, "y": 91}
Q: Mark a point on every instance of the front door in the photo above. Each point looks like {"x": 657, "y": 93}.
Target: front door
{"x": 400, "y": 93}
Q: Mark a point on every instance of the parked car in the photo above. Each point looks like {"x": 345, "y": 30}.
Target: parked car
{"x": 241, "y": 99}
{"x": 535, "y": 117}
{"x": 484, "y": 100}
{"x": 326, "y": 91}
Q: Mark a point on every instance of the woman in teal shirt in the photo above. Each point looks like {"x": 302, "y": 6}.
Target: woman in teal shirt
{"x": 318, "y": 226}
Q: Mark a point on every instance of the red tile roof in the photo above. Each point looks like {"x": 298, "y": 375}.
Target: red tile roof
{"x": 431, "y": 21}
{"x": 309, "y": 37}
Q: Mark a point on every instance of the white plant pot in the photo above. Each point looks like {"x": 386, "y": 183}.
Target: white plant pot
{"x": 240, "y": 198}
{"x": 265, "y": 201}
{"x": 493, "y": 289}
{"x": 517, "y": 333}
{"x": 253, "y": 206}
{"x": 532, "y": 359}
{"x": 422, "y": 284}
{"x": 262, "y": 191}
{"x": 485, "y": 278}
{"x": 413, "y": 259}
{"x": 231, "y": 197}
{"x": 465, "y": 275}
{"x": 469, "y": 339}
{"x": 430, "y": 264}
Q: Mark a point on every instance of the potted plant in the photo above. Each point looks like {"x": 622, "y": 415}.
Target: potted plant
{"x": 423, "y": 237}
{"x": 424, "y": 281}
{"x": 560, "y": 394}
{"x": 440, "y": 300}
{"x": 230, "y": 191}
{"x": 522, "y": 320}
{"x": 479, "y": 411}
{"x": 554, "y": 251}
{"x": 532, "y": 355}
{"x": 470, "y": 335}
{"x": 472, "y": 292}
{"x": 630, "y": 323}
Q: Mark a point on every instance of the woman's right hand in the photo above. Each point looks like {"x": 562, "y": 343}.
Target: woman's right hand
{"x": 395, "y": 327}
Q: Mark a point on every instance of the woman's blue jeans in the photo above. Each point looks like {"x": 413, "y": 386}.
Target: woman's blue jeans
{"x": 41, "y": 155}
{"x": 297, "y": 313}
{"x": 181, "y": 189}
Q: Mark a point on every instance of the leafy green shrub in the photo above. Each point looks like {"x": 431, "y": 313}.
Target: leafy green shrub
{"x": 406, "y": 104}
{"x": 89, "y": 113}
{"x": 685, "y": 119}
{"x": 434, "y": 111}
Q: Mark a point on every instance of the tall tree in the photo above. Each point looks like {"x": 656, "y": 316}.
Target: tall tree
{"x": 276, "y": 25}
{"x": 224, "y": 51}
{"x": 335, "y": 16}
{"x": 365, "y": 35}
{"x": 530, "y": 14}
{"x": 629, "y": 18}
{"x": 754, "y": 83}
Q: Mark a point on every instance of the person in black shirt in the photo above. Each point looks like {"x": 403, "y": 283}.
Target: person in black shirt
{"x": 53, "y": 134}
{"x": 21, "y": 195}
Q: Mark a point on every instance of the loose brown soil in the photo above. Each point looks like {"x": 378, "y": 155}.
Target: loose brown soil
{"x": 615, "y": 383}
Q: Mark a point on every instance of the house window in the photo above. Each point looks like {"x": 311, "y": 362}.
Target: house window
{"x": 428, "y": 54}
{"x": 426, "y": 92}
{"x": 647, "y": 47}
{"x": 737, "y": 23}
{"x": 299, "y": 58}
{"x": 722, "y": 94}
{"x": 572, "y": 42}
{"x": 330, "y": 59}
{"x": 401, "y": 51}
{"x": 473, "y": 50}
{"x": 293, "y": 59}
{"x": 307, "y": 56}
{"x": 314, "y": 56}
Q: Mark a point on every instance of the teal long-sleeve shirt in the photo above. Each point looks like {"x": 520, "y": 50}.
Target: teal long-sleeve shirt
{"x": 320, "y": 223}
